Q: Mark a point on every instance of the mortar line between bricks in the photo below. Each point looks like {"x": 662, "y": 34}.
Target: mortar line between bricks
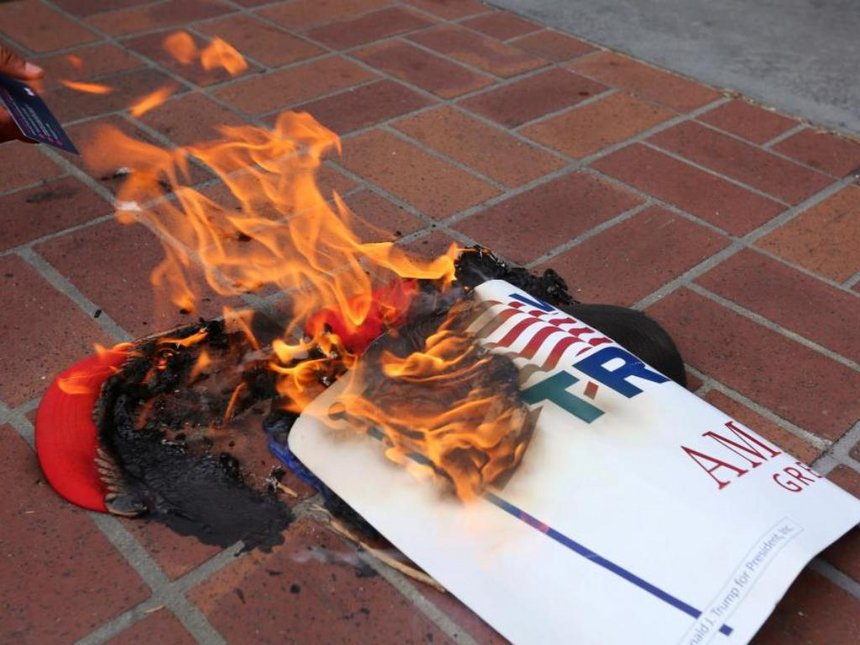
{"x": 473, "y": 68}
{"x": 589, "y": 233}
{"x": 766, "y": 322}
{"x": 835, "y": 576}
{"x": 736, "y": 245}
{"x": 18, "y": 420}
{"x": 565, "y": 109}
{"x": 650, "y": 132}
{"x": 662, "y": 203}
{"x": 841, "y": 449}
{"x": 439, "y": 102}
{"x": 151, "y": 573}
{"x": 801, "y": 433}
{"x": 439, "y": 618}
{"x": 714, "y": 173}
{"x": 800, "y": 127}
{"x": 402, "y": 136}
{"x": 67, "y": 288}
{"x": 775, "y": 153}
{"x": 843, "y": 287}
{"x": 50, "y": 236}
{"x": 34, "y": 184}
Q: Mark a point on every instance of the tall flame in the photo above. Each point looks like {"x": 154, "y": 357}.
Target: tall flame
{"x": 277, "y": 229}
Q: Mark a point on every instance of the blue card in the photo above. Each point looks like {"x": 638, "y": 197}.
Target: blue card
{"x": 32, "y": 116}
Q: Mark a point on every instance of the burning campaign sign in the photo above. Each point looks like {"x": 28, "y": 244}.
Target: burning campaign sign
{"x": 639, "y": 513}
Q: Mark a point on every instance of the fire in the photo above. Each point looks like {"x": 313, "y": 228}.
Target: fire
{"x": 181, "y": 46}
{"x": 220, "y": 54}
{"x": 76, "y": 62}
{"x": 88, "y": 88}
{"x": 151, "y": 101}
{"x": 273, "y": 227}
{"x": 449, "y": 407}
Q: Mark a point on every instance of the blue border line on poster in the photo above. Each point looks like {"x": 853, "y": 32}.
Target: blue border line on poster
{"x": 596, "y": 558}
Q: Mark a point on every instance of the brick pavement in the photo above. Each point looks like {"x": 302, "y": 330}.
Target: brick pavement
{"x": 735, "y": 226}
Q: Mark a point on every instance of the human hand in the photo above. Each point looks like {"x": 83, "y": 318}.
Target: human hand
{"x": 14, "y": 66}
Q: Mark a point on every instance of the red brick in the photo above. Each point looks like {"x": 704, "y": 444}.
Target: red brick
{"x": 844, "y": 554}
{"x": 128, "y": 88}
{"x": 846, "y": 478}
{"x": 159, "y": 627}
{"x": 22, "y": 165}
{"x": 553, "y": 45}
{"x": 824, "y": 238}
{"x": 428, "y": 71}
{"x": 838, "y": 156}
{"x": 364, "y": 106}
{"x": 715, "y": 200}
{"x": 487, "y": 149}
{"x": 89, "y": 7}
{"x": 789, "y": 298}
{"x": 61, "y": 577}
{"x": 95, "y": 61}
{"x": 789, "y": 442}
{"x": 693, "y": 381}
{"x": 47, "y": 208}
{"x": 151, "y": 17}
{"x": 278, "y": 90}
{"x": 749, "y": 121}
{"x": 464, "y": 617}
{"x": 762, "y": 364}
{"x": 262, "y": 42}
{"x": 190, "y": 119}
{"x": 121, "y": 288}
{"x": 368, "y": 27}
{"x": 313, "y": 588}
{"x": 430, "y": 184}
{"x": 650, "y": 83}
{"x": 450, "y": 9}
{"x": 432, "y": 245}
{"x": 501, "y": 24}
{"x": 301, "y": 14}
{"x": 40, "y": 28}
{"x": 527, "y": 225}
{"x": 533, "y": 97}
{"x": 378, "y": 220}
{"x": 152, "y": 46}
{"x": 474, "y": 49}
{"x": 748, "y": 164}
{"x": 586, "y": 130}
{"x": 813, "y": 611}
{"x": 632, "y": 259}
{"x": 175, "y": 554}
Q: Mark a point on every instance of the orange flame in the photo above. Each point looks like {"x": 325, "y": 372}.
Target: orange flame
{"x": 181, "y": 46}
{"x": 275, "y": 228}
{"x": 76, "y": 62}
{"x": 451, "y": 403}
{"x": 220, "y": 54}
{"x": 89, "y": 88}
{"x": 151, "y": 101}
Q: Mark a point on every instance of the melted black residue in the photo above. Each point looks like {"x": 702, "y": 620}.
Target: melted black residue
{"x": 194, "y": 494}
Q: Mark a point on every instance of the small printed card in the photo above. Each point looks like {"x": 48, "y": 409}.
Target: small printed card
{"x": 32, "y": 116}
{"x": 639, "y": 514}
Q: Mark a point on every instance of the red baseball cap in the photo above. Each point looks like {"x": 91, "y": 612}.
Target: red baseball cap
{"x": 66, "y": 436}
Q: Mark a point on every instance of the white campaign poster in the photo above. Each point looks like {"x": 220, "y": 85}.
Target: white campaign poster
{"x": 640, "y": 514}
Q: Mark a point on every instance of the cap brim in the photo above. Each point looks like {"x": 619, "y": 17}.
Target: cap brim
{"x": 66, "y": 436}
